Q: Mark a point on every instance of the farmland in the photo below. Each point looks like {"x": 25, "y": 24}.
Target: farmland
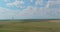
{"x": 37, "y": 26}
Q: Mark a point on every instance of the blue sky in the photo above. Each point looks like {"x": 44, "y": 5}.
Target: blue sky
{"x": 3, "y": 3}
{"x": 29, "y": 9}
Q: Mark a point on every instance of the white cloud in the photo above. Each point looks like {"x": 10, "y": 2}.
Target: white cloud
{"x": 29, "y": 12}
{"x": 15, "y": 3}
{"x": 7, "y": 14}
{"x": 32, "y": 12}
{"x": 31, "y": 0}
{"x": 40, "y": 2}
{"x": 50, "y": 12}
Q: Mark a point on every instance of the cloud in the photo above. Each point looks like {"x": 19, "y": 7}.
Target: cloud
{"x": 7, "y": 13}
{"x": 21, "y": 3}
{"x": 31, "y": 12}
{"x": 31, "y": 0}
{"x": 51, "y": 10}
{"x": 15, "y": 3}
{"x": 40, "y": 2}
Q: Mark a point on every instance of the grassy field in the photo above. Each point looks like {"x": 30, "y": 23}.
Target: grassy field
{"x": 48, "y": 26}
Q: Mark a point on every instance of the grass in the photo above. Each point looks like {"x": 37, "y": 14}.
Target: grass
{"x": 29, "y": 26}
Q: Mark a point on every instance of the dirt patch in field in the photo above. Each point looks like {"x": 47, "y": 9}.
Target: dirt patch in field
{"x": 54, "y": 21}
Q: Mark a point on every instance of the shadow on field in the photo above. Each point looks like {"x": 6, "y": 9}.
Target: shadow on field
{"x": 35, "y": 20}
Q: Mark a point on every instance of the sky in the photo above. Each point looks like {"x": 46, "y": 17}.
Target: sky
{"x": 29, "y": 9}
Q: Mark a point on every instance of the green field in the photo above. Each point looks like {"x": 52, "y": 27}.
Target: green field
{"x": 29, "y": 26}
